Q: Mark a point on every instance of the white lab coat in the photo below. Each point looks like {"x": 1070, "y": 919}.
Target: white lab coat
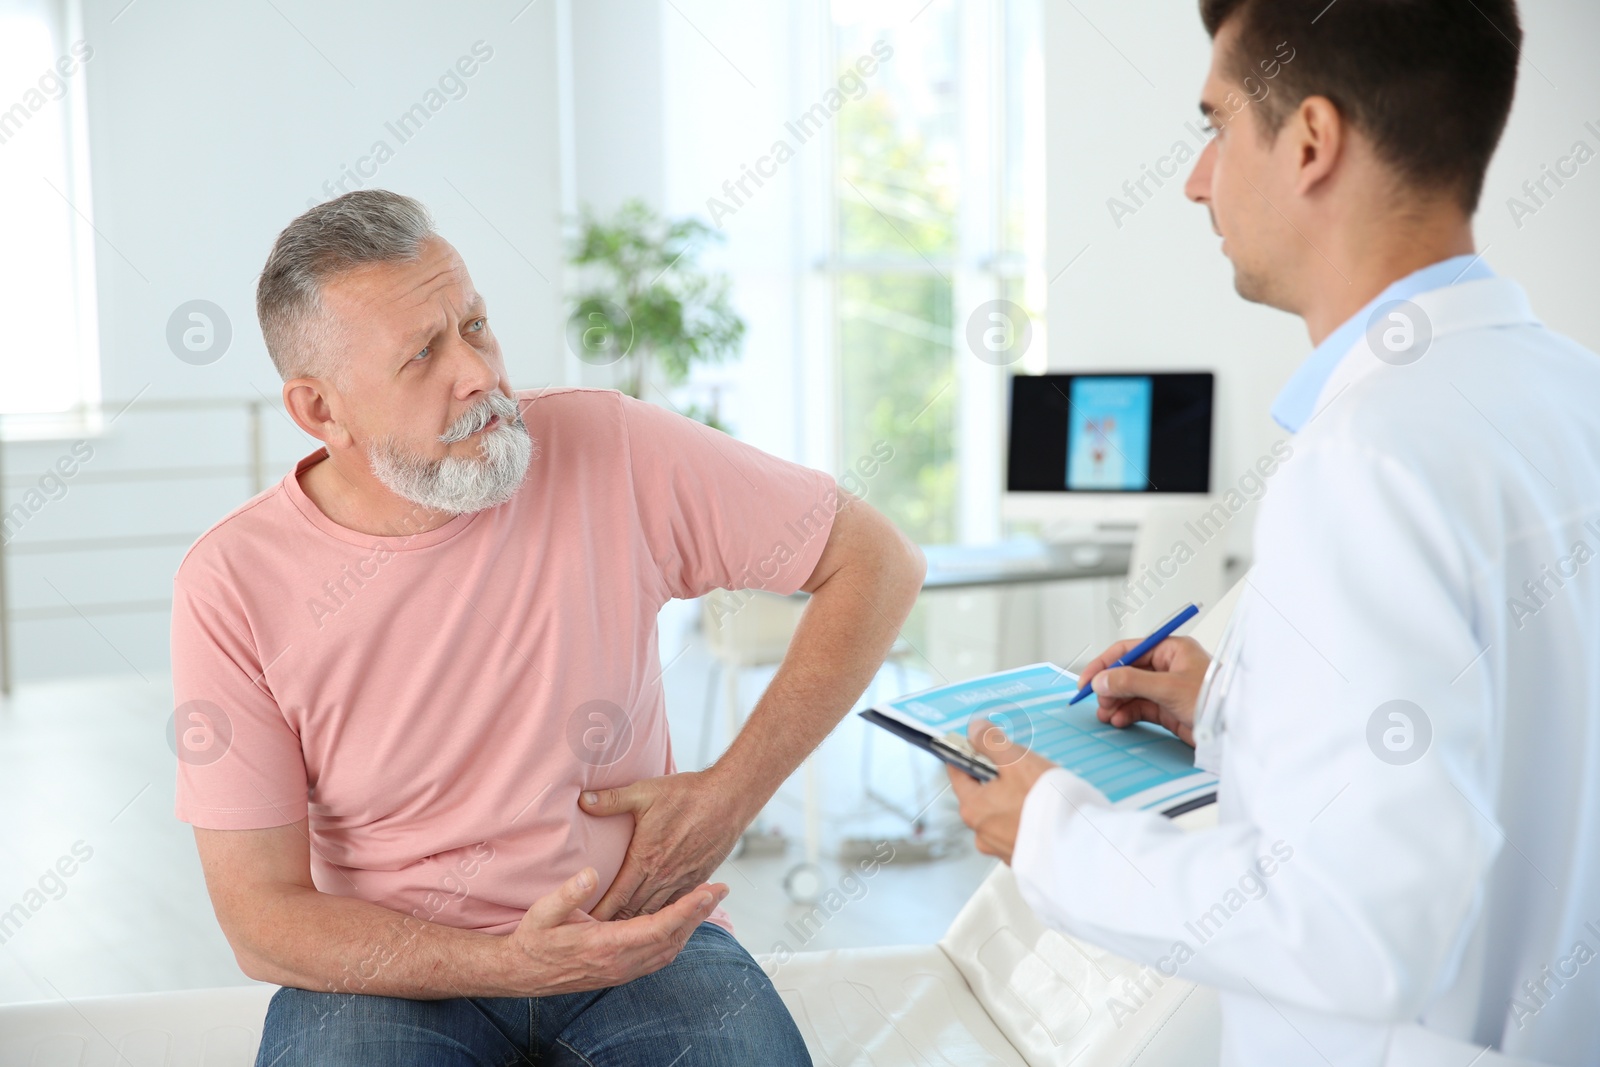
{"x": 1392, "y": 550}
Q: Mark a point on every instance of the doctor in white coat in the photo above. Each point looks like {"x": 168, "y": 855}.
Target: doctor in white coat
{"x": 1405, "y": 713}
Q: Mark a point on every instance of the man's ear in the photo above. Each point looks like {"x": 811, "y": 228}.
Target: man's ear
{"x": 308, "y": 405}
{"x": 1318, "y": 137}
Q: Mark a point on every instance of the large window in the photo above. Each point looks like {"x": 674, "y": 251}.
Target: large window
{"x": 50, "y": 360}
{"x": 936, "y": 213}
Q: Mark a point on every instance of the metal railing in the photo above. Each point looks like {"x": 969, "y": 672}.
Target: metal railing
{"x": 96, "y": 421}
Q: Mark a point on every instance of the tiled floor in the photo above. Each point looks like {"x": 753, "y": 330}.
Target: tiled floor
{"x": 86, "y": 786}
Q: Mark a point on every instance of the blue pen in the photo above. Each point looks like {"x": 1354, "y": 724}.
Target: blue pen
{"x": 1143, "y": 648}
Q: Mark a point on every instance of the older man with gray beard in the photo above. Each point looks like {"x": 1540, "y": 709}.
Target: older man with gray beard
{"x": 421, "y": 725}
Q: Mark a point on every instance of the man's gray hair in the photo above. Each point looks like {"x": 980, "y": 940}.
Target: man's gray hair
{"x": 361, "y": 227}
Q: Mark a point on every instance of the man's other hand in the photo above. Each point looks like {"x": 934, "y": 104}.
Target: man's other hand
{"x": 557, "y": 948}
{"x": 993, "y": 809}
{"x": 1161, "y": 688}
{"x": 683, "y": 829}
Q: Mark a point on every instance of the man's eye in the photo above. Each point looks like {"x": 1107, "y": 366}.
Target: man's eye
{"x": 478, "y": 324}
{"x": 421, "y": 355}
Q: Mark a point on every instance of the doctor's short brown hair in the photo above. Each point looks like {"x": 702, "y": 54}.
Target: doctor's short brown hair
{"x": 1428, "y": 82}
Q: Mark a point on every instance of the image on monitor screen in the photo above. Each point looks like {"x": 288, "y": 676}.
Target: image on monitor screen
{"x": 1104, "y": 434}
{"x": 1108, "y": 445}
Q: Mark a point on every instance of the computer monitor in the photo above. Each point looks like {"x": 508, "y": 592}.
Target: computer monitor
{"x": 1100, "y": 447}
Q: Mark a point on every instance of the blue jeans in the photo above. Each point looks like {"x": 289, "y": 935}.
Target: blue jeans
{"x": 712, "y": 1006}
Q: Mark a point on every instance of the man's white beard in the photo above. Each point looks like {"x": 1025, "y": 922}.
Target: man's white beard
{"x": 459, "y": 485}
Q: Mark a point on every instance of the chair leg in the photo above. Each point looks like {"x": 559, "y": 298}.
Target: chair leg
{"x": 709, "y": 711}
{"x": 731, "y": 688}
{"x": 813, "y": 813}
{"x": 903, "y": 682}
{"x": 918, "y": 767}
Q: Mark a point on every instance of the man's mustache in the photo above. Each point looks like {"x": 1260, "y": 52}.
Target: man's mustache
{"x": 478, "y": 417}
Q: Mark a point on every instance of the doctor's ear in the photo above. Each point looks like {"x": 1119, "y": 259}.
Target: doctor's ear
{"x": 1316, "y": 134}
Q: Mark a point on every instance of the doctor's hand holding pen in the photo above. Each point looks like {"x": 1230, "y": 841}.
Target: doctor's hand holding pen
{"x": 1161, "y": 687}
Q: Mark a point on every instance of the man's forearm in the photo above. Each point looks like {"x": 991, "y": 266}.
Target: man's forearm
{"x": 843, "y": 637}
{"x": 312, "y": 940}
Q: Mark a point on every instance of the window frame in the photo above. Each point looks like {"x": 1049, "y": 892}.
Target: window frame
{"x": 84, "y": 415}
{"x": 981, "y": 269}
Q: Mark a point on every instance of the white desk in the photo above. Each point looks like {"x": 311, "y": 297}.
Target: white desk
{"x": 1021, "y": 561}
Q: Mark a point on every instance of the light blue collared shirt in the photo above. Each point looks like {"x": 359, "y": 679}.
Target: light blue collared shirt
{"x": 1298, "y": 398}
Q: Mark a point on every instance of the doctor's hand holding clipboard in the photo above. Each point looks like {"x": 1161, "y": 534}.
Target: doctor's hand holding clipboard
{"x": 1157, "y": 679}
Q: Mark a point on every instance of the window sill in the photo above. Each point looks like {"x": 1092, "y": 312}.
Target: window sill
{"x": 24, "y": 427}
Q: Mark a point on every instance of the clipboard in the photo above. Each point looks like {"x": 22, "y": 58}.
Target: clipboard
{"x": 959, "y": 756}
{"x": 957, "y": 752}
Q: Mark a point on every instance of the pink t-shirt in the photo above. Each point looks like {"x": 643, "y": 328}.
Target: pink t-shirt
{"x": 435, "y": 702}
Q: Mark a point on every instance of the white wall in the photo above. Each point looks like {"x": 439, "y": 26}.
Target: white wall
{"x": 732, "y": 77}
{"x": 211, "y": 126}
{"x": 1154, "y": 293}
{"x": 618, "y": 64}
{"x": 1121, "y": 82}
{"x": 1553, "y": 253}
{"x": 667, "y": 102}
{"x": 214, "y": 124}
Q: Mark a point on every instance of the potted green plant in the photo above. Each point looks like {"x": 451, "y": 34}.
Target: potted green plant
{"x": 642, "y": 301}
